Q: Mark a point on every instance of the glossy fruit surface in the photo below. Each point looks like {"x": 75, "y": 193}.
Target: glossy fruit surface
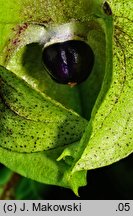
{"x": 69, "y": 62}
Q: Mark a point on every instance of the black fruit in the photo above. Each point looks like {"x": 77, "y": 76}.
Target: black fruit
{"x": 69, "y": 62}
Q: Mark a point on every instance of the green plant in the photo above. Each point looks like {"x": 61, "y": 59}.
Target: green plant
{"x": 52, "y": 133}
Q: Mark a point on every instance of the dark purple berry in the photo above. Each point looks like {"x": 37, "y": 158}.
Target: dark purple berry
{"x": 69, "y": 62}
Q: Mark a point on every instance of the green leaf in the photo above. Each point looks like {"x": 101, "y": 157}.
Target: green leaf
{"x": 5, "y": 175}
{"x": 28, "y": 189}
{"x": 41, "y": 11}
{"x": 43, "y": 167}
{"x": 105, "y": 99}
{"x": 36, "y": 126}
{"x": 111, "y": 128}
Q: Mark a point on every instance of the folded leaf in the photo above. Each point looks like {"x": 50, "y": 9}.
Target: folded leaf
{"x": 42, "y": 167}
{"x": 30, "y": 121}
{"x": 111, "y": 133}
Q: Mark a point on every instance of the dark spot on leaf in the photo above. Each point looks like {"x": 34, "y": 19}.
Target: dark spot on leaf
{"x": 116, "y": 101}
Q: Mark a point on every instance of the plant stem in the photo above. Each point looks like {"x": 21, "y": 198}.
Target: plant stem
{"x": 8, "y": 192}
